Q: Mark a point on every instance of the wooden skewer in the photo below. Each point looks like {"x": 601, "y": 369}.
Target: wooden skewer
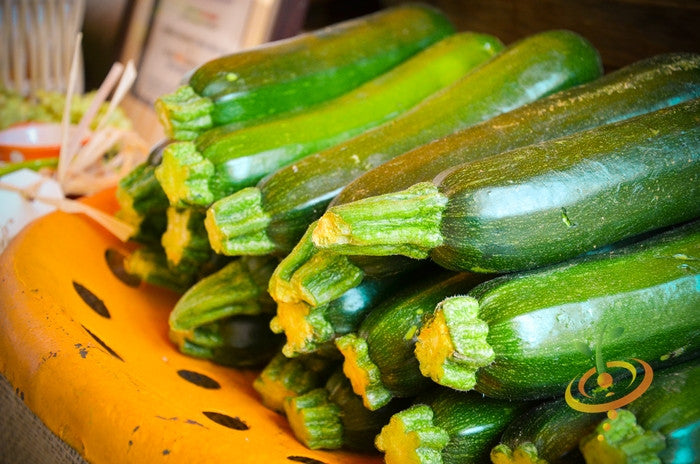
{"x": 118, "y": 228}
{"x": 63, "y": 156}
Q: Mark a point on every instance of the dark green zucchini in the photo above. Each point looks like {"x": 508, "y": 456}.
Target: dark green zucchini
{"x": 229, "y": 159}
{"x": 285, "y": 377}
{"x": 379, "y": 358}
{"x": 539, "y": 204}
{"x": 299, "y": 72}
{"x": 549, "y": 433}
{"x": 185, "y": 239}
{"x": 239, "y": 288}
{"x": 333, "y": 417}
{"x": 521, "y": 335}
{"x": 241, "y": 340}
{"x": 446, "y": 427}
{"x": 142, "y": 201}
{"x": 639, "y": 88}
{"x": 310, "y": 329}
{"x": 150, "y": 265}
{"x": 272, "y": 216}
{"x": 663, "y": 425}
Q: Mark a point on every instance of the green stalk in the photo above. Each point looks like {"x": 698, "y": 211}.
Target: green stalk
{"x": 184, "y": 113}
{"x": 34, "y": 165}
{"x": 619, "y": 439}
{"x": 451, "y": 346}
{"x": 404, "y": 223}
{"x": 237, "y": 224}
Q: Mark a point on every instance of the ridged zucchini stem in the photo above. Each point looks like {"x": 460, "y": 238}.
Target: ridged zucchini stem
{"x": 619, "y": 439}
{"x": 184, "y": 113}
{"x": 451, "y": 345}
{"x": 305, "y": 327}
{"x": 363, "y": 373}
{"x": 400, "y": 223}
{"x": 230, "y": 291}
{"x": 236, "y": 224}
{"x": 284, "y": 378}
{"x": 315, "y": 420}
{"x": 410, "y": 437}
{"x": 141, "y": 199}
{"x": 184, "y": 175}
{"x": 524, "y": 453}
{"x": 185, "y": 240}
{"x": 150, "y": 265}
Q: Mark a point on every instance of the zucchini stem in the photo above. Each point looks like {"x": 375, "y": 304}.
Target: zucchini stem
{"x": 237, "y": 224}
{"x": 451, "y": 345}
{"x": 184, "y": 114}
{"x": 315, "y": 420}
{"x": 400, "y": 223}
{"x": 184, "y": 175}
{"x": 410, "y": 437}
{"x": 619, "y": 439}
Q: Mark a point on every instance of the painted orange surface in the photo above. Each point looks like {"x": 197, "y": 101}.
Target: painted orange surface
{"x": 109, "y": 382}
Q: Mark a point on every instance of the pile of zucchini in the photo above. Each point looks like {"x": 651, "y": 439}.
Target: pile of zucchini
{"x": 423, "y": 237}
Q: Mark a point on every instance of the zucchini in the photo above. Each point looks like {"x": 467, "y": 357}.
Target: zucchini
{"x": 549, "y": 433}
{"x": 150, "y": 265}
{"x": 311, "y": 329}
{"x": 379, "y": 358}
{"x": 185, "y": 239}
{"x": 539, "y": 204}
{"x": 241, "y": 340}
{"x": 285, "y": 377}
{"x": 238, "y": 288}
{"x": 446, "y": 427}
{"x": 299, "y": 72}
{"x": 272, "y": 216}
{"x": 333, "y": 417}
{"x": 663, "y": 425}
{"x": 639, "y": 88}
{"x": 142, "y": 201}
{"x": 224, "y": 160}
{"x": 530, "y": 327}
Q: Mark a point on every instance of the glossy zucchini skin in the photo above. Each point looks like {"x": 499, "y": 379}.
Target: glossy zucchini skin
{"x": 646, "y": 295}
{"x": 296, "y": 195}
{"x": 239, "y": 157}
{"x": 550, "y": 202}
{"x": 548, "y": 433}
{"x": 667, "y": 416}
{"x": 446, "y": 427}
{"x": 315, "y": 66}
{"x": 387, "y": 335}
{"x": 539, "y": 204}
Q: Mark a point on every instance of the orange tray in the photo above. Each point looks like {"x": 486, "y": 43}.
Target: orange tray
{"x": 90, "y": 356}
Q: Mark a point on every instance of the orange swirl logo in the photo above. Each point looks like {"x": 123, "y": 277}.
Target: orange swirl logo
{"x": 604, "y": 381}
{"x": 604, "y": 388}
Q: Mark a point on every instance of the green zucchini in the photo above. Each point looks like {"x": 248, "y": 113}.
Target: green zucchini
{"x": 142, "y": 201}
{"x": 273, "y": 216}
{"x": 150, "y": 265}
{"x": 185, "y": 239}
{"x": 299, "y": 72}
{"x": 238, "y": 288}
{"x": 531, "y": 328}
{"x": 241, "y": 340}
{"x": 285, "y": 377}
{"x": 227, "y": 160}
{"x": 639, "y": 88}
{"x": 333, "y": 417}
{"x": 379, "y": 358}
{"x": 446, "y": 427}
{"x": 539, "y": 204}
{"x": 549, "y": 433}
{"x": 663, "y": 425}
{"x": 310, "y": 329}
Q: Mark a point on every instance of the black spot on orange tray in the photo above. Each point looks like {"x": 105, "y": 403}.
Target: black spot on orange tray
{"x": 198, "y": 379}
{"x": 82, "y": 350}
{"x": 103, "y": 344}
{"x": 115, "y": 263}
{"x": 91, "y": 300}
{"x": 305, "y": 460}
{"x": 166, "y": 452}
{"x": 226, "y": 420}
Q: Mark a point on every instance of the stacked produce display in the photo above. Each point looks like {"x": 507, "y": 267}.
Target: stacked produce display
{"x": 437, "y": 246}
